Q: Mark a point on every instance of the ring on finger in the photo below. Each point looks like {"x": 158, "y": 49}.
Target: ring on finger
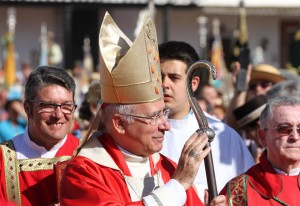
{"x": 193, "y": 153}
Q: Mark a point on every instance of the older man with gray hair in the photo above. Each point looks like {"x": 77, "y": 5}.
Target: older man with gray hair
{"x": 121, "y": 164}
{"x": 275, "y": 179}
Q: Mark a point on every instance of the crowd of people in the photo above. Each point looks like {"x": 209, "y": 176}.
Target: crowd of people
{"x": 131, "y": 138}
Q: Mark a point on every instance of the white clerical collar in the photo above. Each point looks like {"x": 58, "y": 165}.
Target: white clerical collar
{"x": 132, "y": 157}
{"x": 30, "y": 149}
{"x": 293, "y": 172}
{"x": 139, "y": 166}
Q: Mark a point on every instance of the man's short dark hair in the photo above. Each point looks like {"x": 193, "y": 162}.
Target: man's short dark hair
{"x": 176, "y": 50}
{"x": 182, "y": 51}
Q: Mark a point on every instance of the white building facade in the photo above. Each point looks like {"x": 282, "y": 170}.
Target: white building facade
{"x": 271, "y": 25}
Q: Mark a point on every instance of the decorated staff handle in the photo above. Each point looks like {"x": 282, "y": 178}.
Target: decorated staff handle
{"x": 203, "y": 124}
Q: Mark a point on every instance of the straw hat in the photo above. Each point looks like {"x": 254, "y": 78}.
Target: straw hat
{"x": 265, "y": 72}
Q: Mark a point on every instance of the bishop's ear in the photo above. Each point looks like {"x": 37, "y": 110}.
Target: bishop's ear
{"x": 118, "y": 123}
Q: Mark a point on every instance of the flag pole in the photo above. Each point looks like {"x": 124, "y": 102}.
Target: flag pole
{"x": 149, "y": 10}
{"x": 88, "y": 63}
{"x": 9, "y": 56}
{"x": 203, "y": 31}
{"x": 44, "y": 46}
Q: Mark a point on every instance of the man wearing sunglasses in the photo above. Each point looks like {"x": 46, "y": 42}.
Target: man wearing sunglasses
{"x": 27, "y": 162}
{"x": 259, "y": 80}
{"x": 275, "y": 179}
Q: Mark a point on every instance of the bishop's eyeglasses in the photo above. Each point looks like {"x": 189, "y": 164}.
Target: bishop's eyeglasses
{"x": 66, "y": 108}
{"x": 154, "y": 120}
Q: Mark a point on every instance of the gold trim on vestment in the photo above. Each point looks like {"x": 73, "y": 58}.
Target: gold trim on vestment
{"x": 13, "y": 166}
{"x": 35, "y": 164}
{"x": 237, "y": 191}
{"x": 11, "y": 171}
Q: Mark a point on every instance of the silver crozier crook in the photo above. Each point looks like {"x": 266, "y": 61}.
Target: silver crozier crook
{"x": 203, "y": 124}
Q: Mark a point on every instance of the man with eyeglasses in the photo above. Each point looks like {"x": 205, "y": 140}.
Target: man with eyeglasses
{"x": 121, "y": 164}
{"x": 28, "y": 161}
{"x": 275, "y": 179}
{"x": 153, "y": 120}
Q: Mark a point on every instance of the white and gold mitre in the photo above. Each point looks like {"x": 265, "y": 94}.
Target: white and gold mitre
{"x": 129, "y": 72}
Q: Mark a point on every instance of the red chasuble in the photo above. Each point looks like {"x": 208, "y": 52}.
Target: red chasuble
{"x": 262, "y": 186}
{"x": 31, "y": 182}
{"x": 86, "y": 182}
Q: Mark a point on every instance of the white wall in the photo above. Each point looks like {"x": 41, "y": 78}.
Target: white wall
{"x": 183, "y": 26}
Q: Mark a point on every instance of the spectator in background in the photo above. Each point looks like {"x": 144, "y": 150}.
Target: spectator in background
{"x": 259, "y": 80}
{"x": 210, "y": 93}
{"x": 215, "y": 103}
{"x": 247, "y": 117}
{"x": 26, "y": 70}
{"x": 262, "y": 78}
{"x": 289, "y": 74}
{"x": 203, "y": 103}
{"x": 22, "y": 77}
{"x": 82, "y": 83}
{"x": 285, "y": 88}
{"x": 219, "y": 111}
{"x": 16, "y": 120}
{"x": 3, "y": 100}
{"x": 88, "y": 108}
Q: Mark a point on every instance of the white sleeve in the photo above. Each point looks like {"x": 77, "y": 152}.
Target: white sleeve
{"x": 171, "y": 194}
